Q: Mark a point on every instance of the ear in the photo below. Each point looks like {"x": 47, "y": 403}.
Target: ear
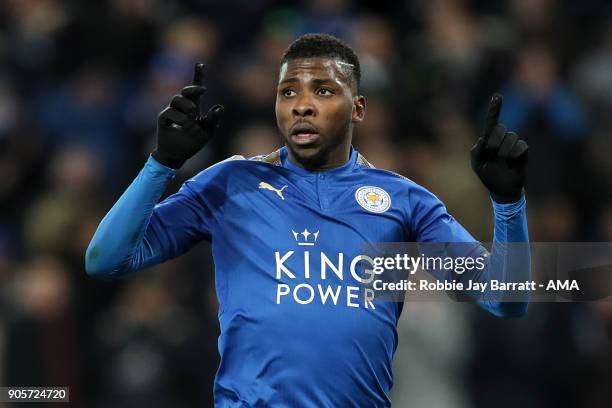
{"x": 359, "y": 108}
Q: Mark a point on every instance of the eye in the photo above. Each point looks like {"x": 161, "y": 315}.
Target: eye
{"x": 324, "y": 92}
{"x": 288, "y": 93}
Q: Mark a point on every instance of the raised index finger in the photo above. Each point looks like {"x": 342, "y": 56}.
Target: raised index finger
{"x": 198, "y": 74}
{"x": 492, "y": 115}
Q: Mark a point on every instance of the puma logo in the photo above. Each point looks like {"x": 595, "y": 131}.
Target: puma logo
{"x": 279, "y": 192}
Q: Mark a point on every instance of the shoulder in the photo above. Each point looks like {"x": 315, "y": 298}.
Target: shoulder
{"x": 237, "y": 167}
{"x": 413, "y": 193}
{"x": 367, "y": 170}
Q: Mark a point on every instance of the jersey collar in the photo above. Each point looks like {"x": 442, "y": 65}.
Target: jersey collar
{"x": 345, "y": 168}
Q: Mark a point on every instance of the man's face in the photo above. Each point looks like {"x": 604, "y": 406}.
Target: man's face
{"x": 315, "y": 111}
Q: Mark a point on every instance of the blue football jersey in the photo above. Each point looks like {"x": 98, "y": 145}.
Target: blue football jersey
{"x": 298, "y": 327}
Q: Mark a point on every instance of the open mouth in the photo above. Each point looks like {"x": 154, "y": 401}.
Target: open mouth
{"x": 304, "y": 133}
{"x": 304, "y": 138}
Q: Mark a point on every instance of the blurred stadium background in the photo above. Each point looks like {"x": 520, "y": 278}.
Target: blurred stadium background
{"x": 81, "y": 83}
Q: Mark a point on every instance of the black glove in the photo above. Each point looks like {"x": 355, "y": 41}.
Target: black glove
{"x": 181, "y": 129}
{"x": 499, "y": 158}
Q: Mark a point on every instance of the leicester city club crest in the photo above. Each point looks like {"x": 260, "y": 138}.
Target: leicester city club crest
{"x": 373, "y": 199}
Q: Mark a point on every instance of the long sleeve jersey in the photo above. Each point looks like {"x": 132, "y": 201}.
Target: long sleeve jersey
{"x": 295, "y": 331}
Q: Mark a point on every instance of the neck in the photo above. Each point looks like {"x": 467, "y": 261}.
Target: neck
{"x": 333, "y": 159}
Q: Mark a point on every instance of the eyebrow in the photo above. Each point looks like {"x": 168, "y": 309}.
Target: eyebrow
{"x": 316, "y": 81}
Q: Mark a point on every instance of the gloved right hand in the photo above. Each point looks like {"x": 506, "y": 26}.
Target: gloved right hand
{"x": 181, "y": 129}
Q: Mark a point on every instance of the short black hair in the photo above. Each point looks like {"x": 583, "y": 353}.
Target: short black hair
{"x": 326, "y": 46}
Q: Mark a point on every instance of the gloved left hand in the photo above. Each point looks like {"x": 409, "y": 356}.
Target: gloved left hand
{"x": 499, "y": 157}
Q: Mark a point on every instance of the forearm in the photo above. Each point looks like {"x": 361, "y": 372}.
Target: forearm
{"x": 510, "y": 259}
{"x": 123, "y": 243}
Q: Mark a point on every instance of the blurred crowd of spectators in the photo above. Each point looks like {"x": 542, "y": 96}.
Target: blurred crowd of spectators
{"x": 81, "y": 84}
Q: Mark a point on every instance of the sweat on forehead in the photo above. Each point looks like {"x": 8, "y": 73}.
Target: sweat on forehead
{"x": 343, "y": 70}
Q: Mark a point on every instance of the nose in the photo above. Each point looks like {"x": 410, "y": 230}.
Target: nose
{"x": 303, "y": 107}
